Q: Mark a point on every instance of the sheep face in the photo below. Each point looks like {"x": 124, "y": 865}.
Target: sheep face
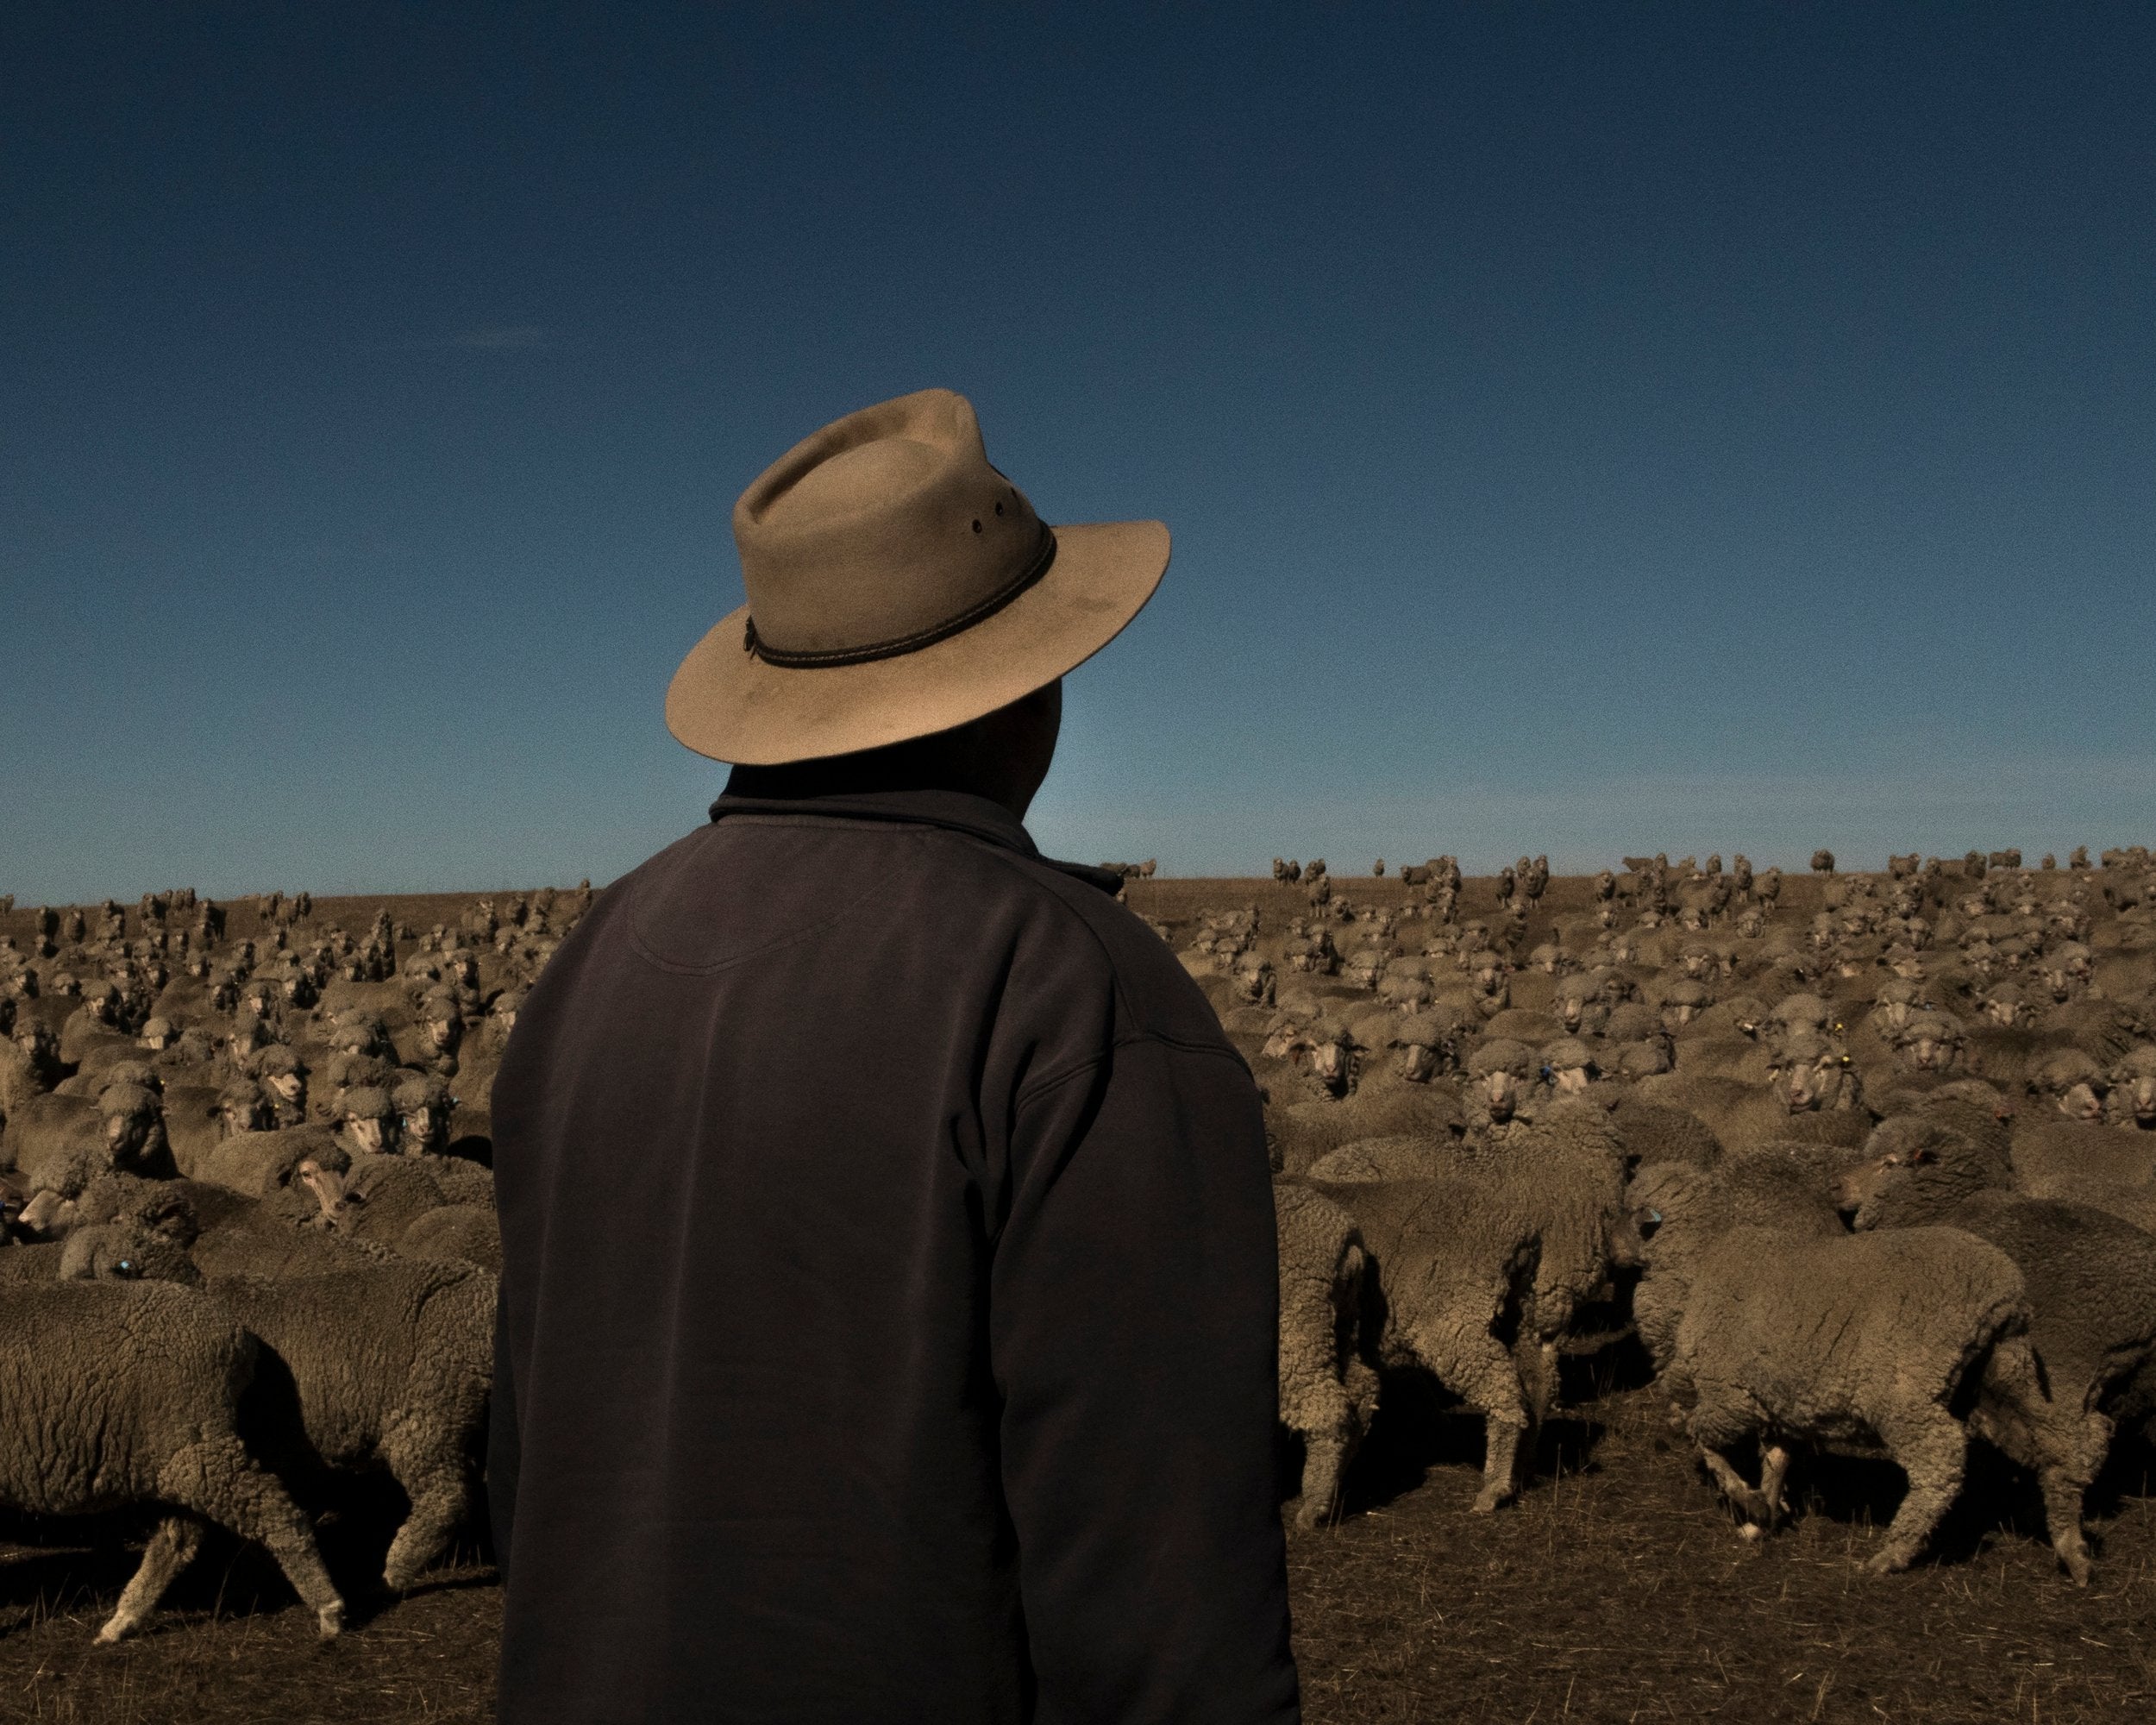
{"x": 1501, "y": 1095}
{"x": 1819, "y": 1080}
{"x": 128, "y": 1134}
{"x": 1365, "y": 969}
{"x": 1624, "y": 1243}
{"x": 2133, "y": 1098}
{"x": 1927, "y": 1044}
{"x": 423, "y": 1128}
{"x": 238, "y": 1115}
{"x": 326, "y": 1189}
{"x": 1418, "y": 1062}
{"x": 1254, "y": 983}
{"x": 2081, "y": 1100}
{"x": 1862, "y": 1193}
{"x": 1570, "y": 1080}
{"x": 46, "y": 1216}
{"x": 1329, "y": 1066}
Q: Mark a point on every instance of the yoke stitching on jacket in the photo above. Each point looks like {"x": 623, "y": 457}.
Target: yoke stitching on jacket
{"x": 793, "y": 937}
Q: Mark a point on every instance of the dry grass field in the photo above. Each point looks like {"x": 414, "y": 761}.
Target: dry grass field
{"x": 1617, "y": 1589}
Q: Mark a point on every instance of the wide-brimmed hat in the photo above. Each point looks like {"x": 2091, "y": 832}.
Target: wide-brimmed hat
{"x": 899, "y": 586}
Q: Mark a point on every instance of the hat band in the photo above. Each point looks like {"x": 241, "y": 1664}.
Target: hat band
{"x": 757, "y": 647}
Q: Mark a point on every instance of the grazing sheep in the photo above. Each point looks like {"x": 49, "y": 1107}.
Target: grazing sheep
{"x": 379, "y": 1198}
{"x": 2111, "y": 1168}
{"x": 2091, "y": 1280}
{"x": 1690, "y": 1204}
{"x": 367, "y": 1364}
{"x": 1480, "y": 1269}
{"x": 456, "y": 1232}
{"x": 1743, "y": 1116}
{"x": 2130, "y": 1098}
{"x": 112, "y": 1396}
{"x": 60, "y": 1144}
{"x": 1402, "y": 1155}
{"x": 1788, "y": 1337}
{"x": 1328, "y": 1393}
{"x": 1648, "y": 1134}
{"x": 1579, "y": 1005}
{"x": 1302, "y": 1133}
{"x": 256, "y": 1165}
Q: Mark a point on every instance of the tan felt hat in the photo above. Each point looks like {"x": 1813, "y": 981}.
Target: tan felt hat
{"x": 899, "y": 586}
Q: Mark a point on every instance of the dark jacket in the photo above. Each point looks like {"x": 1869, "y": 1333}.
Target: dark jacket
{"x": 889, "y": 1295}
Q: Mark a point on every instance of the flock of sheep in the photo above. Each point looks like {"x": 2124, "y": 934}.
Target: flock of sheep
{"x": 1876, "y": 1177}
{"x": 248, "y": 1221}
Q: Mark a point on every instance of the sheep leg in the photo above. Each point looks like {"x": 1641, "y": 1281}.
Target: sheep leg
{"x": 2066, "y": 1449}
{"x": 1482, "y": 1372}
{"x": 1324, "y": 1455}
{"x": 2063, "y": 1493}
{"x": 220, "y": 1482}
{"x": 434, "y": 1475}
{"x": 171, "y": 1549}
{"x": 1501, "y": 1466}
{"x": 1774, "y": 1468}
{"x": 1753, "y": 1503}
{"x": 1719, "y": 1419}
{"x": 1931, "y": 1448}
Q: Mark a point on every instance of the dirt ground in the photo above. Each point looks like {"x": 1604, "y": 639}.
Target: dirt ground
{"x": 1617, "y": 1589}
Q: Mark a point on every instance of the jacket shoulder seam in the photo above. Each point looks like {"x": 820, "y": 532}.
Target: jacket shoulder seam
{"x": 1033, "y": 1089}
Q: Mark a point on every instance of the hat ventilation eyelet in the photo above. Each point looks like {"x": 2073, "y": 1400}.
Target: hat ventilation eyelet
{"x": 976, "y": 526}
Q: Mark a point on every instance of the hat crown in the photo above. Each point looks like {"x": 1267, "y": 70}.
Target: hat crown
{"x": 882, "y": 529}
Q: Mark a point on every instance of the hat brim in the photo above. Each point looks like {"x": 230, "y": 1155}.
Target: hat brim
{"x": 730, "y": 704}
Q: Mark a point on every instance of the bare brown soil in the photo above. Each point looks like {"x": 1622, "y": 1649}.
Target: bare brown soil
{"x": 1617, "y": 1589}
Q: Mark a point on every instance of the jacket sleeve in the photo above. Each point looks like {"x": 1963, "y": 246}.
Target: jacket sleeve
{"x": 1133, "y": 1338}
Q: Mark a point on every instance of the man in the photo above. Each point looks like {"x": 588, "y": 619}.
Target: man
{"x": 888, "y": 1270}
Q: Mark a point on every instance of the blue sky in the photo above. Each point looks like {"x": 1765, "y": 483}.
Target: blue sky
{"x": 1584, "y": 429}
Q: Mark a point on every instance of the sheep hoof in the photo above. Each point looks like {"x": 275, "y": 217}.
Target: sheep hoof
{"x": 329, "y": 1621}
{"x": 1488, "y": 1500}
{"x": 112, "y": 1633}
{"x": 1888, "y": 1562}
{"x": 1752, "y": 1531}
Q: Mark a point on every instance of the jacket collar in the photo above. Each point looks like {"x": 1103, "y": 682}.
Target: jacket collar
{"x": 958, "y": 810}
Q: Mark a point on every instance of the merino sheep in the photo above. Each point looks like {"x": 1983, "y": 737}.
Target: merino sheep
{"x": 1790, "y": 1338}
{"x": 112, "y": 1396}
{"x": 380, "y": 1365}
{"x": 1480, "y": 1269}
{"x": 2091, "y": 1282}
{"x": 1688, "y": 1206}
{"x": 60, "y": 1144}
{"x": 1328, "y": 1393}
